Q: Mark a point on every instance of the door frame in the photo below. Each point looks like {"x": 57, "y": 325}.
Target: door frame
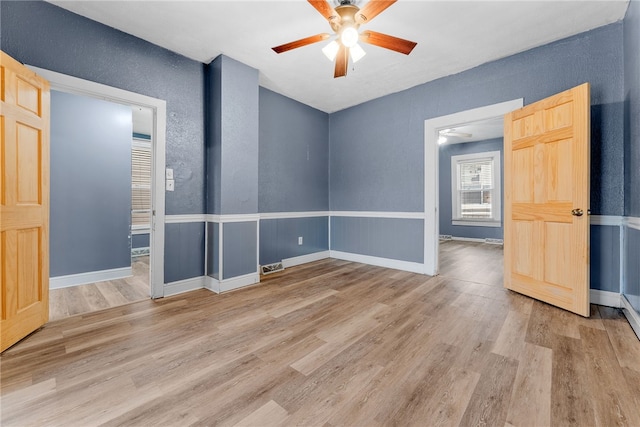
{"x": 74, "y": 85}
{"x": 431, "y": 169}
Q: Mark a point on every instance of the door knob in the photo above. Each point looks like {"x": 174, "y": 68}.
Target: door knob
{"x": 577, "y": 212}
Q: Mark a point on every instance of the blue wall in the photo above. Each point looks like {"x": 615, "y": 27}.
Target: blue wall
{"x": 377, "y": 148}
{"x": 632, "y": 150}
{"x": 279, "y": 237}
{"x": 293, "y": 177}
{"x": 140, "y": 240}
{"x": 632, "y": 273}
{"x": 632, "y": 98}
{"x": 294, "y": 156}
{"x": 44, "y": 35}
{"x": 90, "y": 185}
{"x": 232, "y": 164}
{"x": 186, "y": 251}
{"x": 398, "y": 239}
{"x": 444, "y": 181}
{"x": 605, "y": 258}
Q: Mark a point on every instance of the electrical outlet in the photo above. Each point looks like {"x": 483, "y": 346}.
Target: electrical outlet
{"x": 299, "y": 240}
{"x": 170, "y": 185}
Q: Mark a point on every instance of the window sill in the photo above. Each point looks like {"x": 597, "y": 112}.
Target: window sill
{"x": 140, "y": 230}
{"x": 478, "y": 223}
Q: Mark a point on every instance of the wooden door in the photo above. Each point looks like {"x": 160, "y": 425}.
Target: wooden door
{"x": 546, "y": 192}
{"x": 24, "y": 201}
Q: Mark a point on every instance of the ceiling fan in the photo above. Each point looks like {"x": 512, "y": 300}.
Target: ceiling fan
{"x": 444, "y": 133}
{"x": 345, "y": 20}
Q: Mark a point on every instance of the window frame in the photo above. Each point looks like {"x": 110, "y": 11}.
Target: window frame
{"x": 147, "y": 145}
{"x": 496, "y": 191}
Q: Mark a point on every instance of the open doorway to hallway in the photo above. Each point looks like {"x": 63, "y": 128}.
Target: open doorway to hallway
{"x": 147, "y": 269}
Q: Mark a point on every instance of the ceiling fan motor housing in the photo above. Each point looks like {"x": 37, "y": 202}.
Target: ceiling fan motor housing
{"x": 347, "y": 13}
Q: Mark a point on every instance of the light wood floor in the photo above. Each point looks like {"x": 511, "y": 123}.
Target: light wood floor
{"x": 65, "y": 302}
{"x": 330, "y": 343}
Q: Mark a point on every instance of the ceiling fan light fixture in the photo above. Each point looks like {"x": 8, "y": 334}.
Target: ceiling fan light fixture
{"x": 349, "y": 37}
{"x": 331, "y": 50}
{"x": 356, "y": 52}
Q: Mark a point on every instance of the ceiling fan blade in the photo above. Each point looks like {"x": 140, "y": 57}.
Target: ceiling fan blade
{"x": 458, "y": 134}
{"x": 387, "y": 42}
{"x": 325, "y": 9}
{"x": 372, "y": 9}
{"x": 302, "y": 42}
{"x": 341, "y": 62}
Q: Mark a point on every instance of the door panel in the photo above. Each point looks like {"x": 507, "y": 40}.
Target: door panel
{"x": 546, "y": 177}
{"x": 24, "y": 201}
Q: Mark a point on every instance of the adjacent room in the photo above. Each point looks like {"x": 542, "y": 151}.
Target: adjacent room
{"x": 331, "y": 212}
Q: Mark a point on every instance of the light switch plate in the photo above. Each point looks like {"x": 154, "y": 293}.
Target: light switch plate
{"x": 170, "y": 185}
{"x": 169, "y": 173}
{"x": 299, "y": 240}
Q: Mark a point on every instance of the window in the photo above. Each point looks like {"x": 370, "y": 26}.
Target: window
{"x": 475, "y": 185}
{"x": 141, "y": 184}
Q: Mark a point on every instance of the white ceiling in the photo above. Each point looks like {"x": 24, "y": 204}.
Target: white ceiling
{"x": 452, "y": 36}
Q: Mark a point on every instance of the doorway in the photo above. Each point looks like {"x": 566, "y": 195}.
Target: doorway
{"x": 157, "y": 107}
{"x": 433, "y": 128}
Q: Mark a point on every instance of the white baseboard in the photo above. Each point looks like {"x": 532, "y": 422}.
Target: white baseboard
{"x": 606, "y": 298}
{"x": 632, "y": 316}
{"x": 219, "y": 286}
{"x": 182, "y": 286}
{"x": 303, "y": 259}
{"x": 413, "y": 267}
{"x": 89, "y": 277}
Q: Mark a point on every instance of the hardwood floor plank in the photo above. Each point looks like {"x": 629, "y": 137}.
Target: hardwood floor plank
{"x": 375, "y": 347}
{"x": 621, "y": 337}
{"x": 269, "y": 414}
{"x": 57, "y": 305}
{"x": 531, "y": 397}
{"x": 489, "y": 402}
{"x": 571, "y": 397}
{"x": 607, "y": 382}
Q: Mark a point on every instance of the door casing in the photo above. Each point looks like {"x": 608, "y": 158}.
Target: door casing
{"x": 431, "y": 170}
{"x": 69, "y": 84}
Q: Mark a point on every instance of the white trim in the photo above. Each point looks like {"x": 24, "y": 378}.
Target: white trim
{"x": 488, "y": 240}
{"x": 606, "y": 298}
{"x": 232, "y": 218}
{"x": 303, "y": 259}
{"x": 181, "y": 219}
{"x": 413, "y": 267}
{"x": 287, "y": 215}
{"x": 632, "y": 222}
{"x": 258, "y": 248}
{"x": 612, "y": 220}
{"x": 378, "y": 214}
{"x": 136, "y": 232}
{"x": 239, "y": 282}
{"x": 226, "y": 285}
{"x": 220, "y": 252}
{"x": 212, "y": 284}
{"x": 182, "y": 286}
{"x": 239, "y": 218}
{"x": 431, "y": 208}
{"x": 479, "y": 223}
{"x": 89, "y": 277}
{"x": 466, "y": 239}
{"x": 632, "y": 316}
{"x": 79, "y": 86}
